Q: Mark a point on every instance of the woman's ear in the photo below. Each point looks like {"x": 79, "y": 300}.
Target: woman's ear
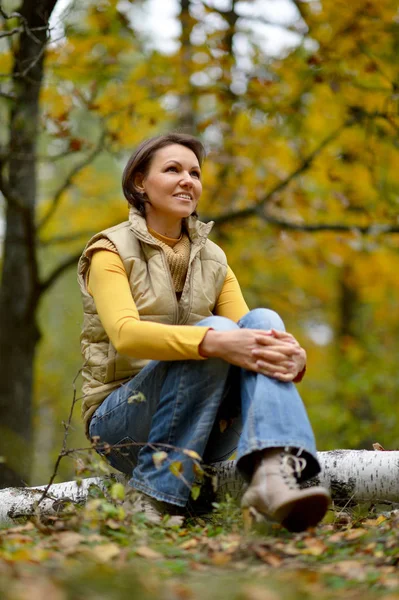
{"x": 138, "y": 182}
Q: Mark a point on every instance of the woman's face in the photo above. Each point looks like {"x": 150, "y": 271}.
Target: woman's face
{"x": 173, "y": 182}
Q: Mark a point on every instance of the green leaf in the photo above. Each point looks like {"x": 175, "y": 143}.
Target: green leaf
{"x": 176, "y": 468}
{"x": 118, "y": 491}
{"x": 192, "y": 454}
{"x": 136, "y": 398}
{"x": 195, "y": 491}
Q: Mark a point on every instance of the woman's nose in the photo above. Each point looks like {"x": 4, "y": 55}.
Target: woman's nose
{"x": 186, "y": 180}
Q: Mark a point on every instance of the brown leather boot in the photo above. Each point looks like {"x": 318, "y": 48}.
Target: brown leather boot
{"x": 274, "y": 492}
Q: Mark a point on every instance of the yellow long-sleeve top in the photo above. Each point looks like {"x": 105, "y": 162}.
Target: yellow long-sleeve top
{"x": 109, "y": 285}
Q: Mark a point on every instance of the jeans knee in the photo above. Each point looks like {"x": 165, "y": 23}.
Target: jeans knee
{"x": 263, "y": 318}
{"x": 218, "y": 323}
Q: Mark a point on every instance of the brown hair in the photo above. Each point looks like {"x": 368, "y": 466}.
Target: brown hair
{"x": 140, "y": 162}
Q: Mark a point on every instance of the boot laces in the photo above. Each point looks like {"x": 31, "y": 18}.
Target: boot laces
{"x": 291, "y": 469}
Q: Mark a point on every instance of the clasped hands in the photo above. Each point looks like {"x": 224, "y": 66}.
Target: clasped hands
{"x": 278, "y": 354}
{"x": 273, "y": 353}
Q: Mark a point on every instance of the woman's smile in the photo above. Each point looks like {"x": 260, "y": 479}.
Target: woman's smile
{"x": 172, "y": 187}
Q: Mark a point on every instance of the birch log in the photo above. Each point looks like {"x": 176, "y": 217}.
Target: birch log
{"x": 352, "y": 476}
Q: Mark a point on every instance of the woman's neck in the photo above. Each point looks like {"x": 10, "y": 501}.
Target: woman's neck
{"x": 166, "y": 227}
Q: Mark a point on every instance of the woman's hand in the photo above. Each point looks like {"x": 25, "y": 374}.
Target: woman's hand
{"x": 273, "y": 353}
{"x": 298, "y": 357}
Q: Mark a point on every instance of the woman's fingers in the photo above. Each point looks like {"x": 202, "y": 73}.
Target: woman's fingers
{"x": 284, "y": 377}
{"x": 271, "y": 368}
{"x": 267, "y": 339}
{"x": 274, "y": 356}
{"x": 277, "y": 347}
{"x": 284, "y": 335}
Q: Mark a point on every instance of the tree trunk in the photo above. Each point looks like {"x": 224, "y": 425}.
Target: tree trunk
{"x": 20, "y": 288}
{"x": 187, "y": 112}
{"x": 352, "y": 476}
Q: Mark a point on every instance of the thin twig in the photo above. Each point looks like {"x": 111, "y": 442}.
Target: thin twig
{"x": 66, "y": 264}
{"x": 67, "y": 426}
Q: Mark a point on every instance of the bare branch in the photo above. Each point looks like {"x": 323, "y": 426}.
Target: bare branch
{"x": 7, "y": 95}
{"x": 73, "y": 237}
{"x": 376, "y": 228}
{"x": 257, "y": 209}
{"x": 63, "y": 451}
{"x": 11, "y": 32}
{"x": 66, "y": 239}
{"x": 69, "y": 180}
{"x": 58, "y": 271}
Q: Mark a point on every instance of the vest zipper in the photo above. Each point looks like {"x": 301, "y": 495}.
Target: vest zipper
{"x": 172, "y": 287}
{"x": 189, "y": 276}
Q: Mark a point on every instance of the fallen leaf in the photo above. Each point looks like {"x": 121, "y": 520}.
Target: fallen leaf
{"x": 352, "y": 569}
{"x": 219, "y": 559}
{"x": 146, "y": 552}
{"x": 314, "y": 546}
{"x": 336, "y": 537}
{"x": 378, "y": 446}
{"x": 112, "y": 524}
{"x": 104, "y": 552}
{"x": 188, "y": 544}
{"x": 354, "y": 534}
{"x": 18, "y": 529}
{"x": 268, "y": 557}
{"x": 68, "y": 540}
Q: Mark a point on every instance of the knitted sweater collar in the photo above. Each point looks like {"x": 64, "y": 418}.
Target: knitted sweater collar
{"x": 197, "y": 231}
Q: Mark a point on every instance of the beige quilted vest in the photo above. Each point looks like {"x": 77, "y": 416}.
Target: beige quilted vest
{"x": 154, "y": 295}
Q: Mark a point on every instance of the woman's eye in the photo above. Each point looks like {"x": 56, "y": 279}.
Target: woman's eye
{"x": 196, "y": 174}
{"x": 171, "y": 169}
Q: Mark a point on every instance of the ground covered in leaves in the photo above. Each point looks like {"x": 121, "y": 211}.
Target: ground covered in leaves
{"x": 102, "y": 551}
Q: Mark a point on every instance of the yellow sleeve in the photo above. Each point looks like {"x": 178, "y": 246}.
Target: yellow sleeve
{"x": 109, "y": 286}
{"x": 231, "y": 303}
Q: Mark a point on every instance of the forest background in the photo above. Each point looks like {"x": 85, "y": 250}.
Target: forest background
{"x": 297, "y": 103}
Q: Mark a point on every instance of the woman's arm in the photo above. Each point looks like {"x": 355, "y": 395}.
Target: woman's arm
{"x": 231, "y": 303}
{"x": 109, "y": 286}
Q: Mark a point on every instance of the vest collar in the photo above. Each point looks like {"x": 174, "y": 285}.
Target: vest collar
{"x": 197, "y": 231}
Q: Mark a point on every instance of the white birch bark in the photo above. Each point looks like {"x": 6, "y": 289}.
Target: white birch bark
{"x": 352, "y": 476}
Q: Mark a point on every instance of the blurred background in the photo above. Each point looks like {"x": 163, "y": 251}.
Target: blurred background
{"x": 297, "y": 103}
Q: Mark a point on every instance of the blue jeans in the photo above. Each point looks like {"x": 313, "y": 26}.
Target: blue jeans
{"x": 208, "y": 406}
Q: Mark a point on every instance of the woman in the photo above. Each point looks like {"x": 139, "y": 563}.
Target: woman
{"x": 173, "y": 354}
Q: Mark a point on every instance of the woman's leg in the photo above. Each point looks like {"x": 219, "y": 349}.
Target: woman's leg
{"x": 273, "y": 413}
{"x": 277, "y": 447}
{"x": 171, "y": 403}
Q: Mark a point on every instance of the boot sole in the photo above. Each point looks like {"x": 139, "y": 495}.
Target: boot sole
{"x": 303, "y": 513}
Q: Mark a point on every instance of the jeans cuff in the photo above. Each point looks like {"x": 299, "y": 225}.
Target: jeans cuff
{"x": 245, "y": 462}
{"x": 157, "y": 494}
